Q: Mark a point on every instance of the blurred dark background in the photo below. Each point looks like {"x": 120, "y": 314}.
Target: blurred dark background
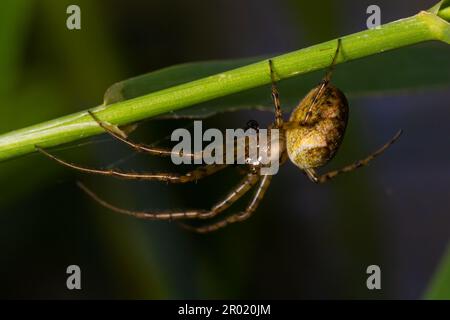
{"x": 305, "y": 240}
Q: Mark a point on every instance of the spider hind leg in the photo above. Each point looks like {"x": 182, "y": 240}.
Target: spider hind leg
{"x": 237, "y": 217}
{"x": 237, "y": 192}
{"x": 314, "y": 177}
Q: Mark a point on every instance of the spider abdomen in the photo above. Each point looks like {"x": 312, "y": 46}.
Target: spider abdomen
{"x": 320, "y": 130}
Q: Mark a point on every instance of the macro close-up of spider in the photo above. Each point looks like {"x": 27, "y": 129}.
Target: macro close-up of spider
{"x": 309, "y": 139}
{"x": 222, "y": 150}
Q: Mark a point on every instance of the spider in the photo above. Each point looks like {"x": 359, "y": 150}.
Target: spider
{"x": 310, "y": 139}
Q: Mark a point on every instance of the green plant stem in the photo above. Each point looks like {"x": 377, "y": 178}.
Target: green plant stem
{"x": 424, "y": 26}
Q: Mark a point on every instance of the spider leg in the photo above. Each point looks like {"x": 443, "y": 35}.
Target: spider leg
{"x": 195, "y": 174}
{"x": 243, "y": 186}
{"x": 251, "y": 207}
{"x": 324, "y": 83}
{"x": 333, "y": 62}
{"x": 276, "y": 97}
{"x": 314, "y": 177}
{"x": 120, "y": 135}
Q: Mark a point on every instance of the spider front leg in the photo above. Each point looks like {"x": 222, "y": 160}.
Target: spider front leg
{"x": 314, "y": 177}
{"x": 244, "y": 185}
{"x": 196, "y": 174}
{"x": 239, "y": 217}
{"x": 120, "y": 135}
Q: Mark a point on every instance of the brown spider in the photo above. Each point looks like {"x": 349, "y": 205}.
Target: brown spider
{"x": 309, "y": 139}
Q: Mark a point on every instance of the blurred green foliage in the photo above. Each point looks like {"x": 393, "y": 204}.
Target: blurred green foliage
{"x": 31, "y": 86}
{"x": 439, "y": 287}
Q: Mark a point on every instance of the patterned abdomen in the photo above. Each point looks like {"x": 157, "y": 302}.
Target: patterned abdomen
{"x": 315, "y": 141}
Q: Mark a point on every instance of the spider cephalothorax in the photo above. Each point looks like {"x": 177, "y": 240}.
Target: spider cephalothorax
{"x": 309, "y": 139}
